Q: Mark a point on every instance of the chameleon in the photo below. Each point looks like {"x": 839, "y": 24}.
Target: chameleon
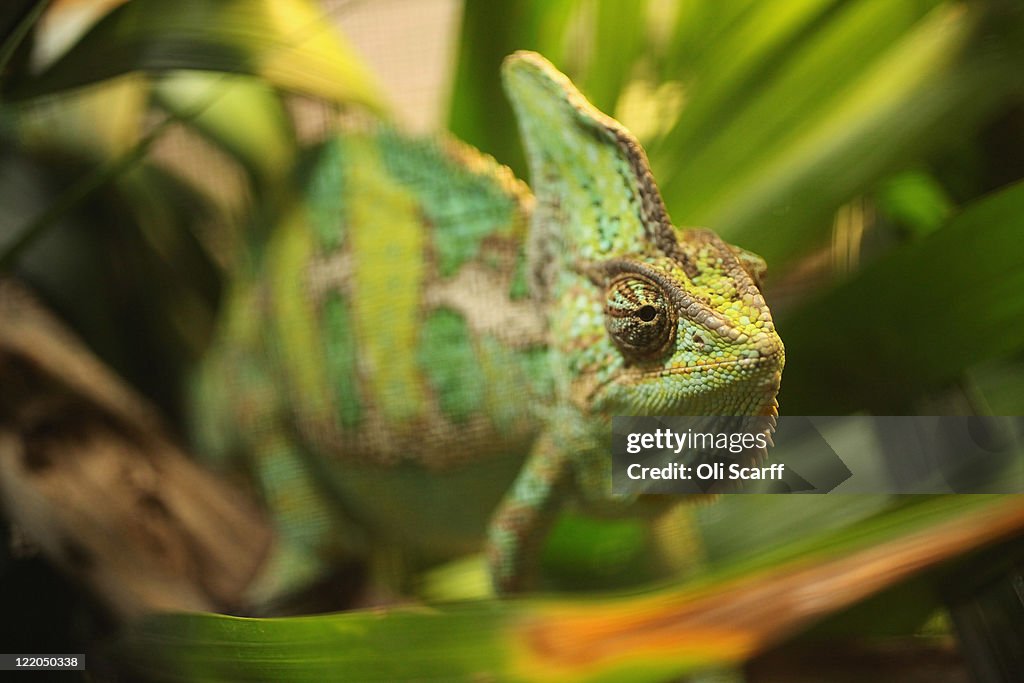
{"x": 417, "y": 352}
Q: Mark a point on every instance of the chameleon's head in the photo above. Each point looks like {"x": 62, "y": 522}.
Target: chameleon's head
{"x": 644, "y": 318}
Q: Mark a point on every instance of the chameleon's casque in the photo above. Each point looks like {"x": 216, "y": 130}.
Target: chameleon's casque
{"x": 416, "y": 325}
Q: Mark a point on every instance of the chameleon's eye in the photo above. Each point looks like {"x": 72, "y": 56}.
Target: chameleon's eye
{"x": 638, "y": 316}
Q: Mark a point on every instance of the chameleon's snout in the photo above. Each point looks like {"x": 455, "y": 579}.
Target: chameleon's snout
{"x": 768, "y": 348}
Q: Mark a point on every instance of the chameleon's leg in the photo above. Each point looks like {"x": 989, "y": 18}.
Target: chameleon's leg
{"x": 309, "y": 530}
{"x": 522, "y": 520}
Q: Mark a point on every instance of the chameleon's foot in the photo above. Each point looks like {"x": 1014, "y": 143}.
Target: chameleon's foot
{"x": 510, "y": 572}
{"x": 518, "y": 528}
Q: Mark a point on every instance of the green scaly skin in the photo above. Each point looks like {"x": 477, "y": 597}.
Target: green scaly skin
{"x": 644, "y": 318}
{"x": 374, "y": 367}
{"x": 397, "y": 344}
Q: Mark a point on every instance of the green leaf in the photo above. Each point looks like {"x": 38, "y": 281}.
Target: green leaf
{"x": 480, "y": 114}
{"x": 874, "y": 85}
{"x": 285, "y": 42}
{"x": 243, "y": 115}
{"x": 722, "y": 618}
{"x": 729, "y": 54}
{"x": 95, "y": 123}
{"x": 915, "y": 200}
{"x": 789, "y": 109}
{"x": 616, "y": 43}
{"x": 17, "y": 20}
{"x": 999, "y": 383}
{"x": 915, "y": 319}
{"x": 77, "y": 193}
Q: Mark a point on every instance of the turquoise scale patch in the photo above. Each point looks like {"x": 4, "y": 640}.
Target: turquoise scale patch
{"x": 463, "y": 207}
{"x": 340, "y": 358}
{"x": 325, "y": 196}
{"x": 444, "y": 352}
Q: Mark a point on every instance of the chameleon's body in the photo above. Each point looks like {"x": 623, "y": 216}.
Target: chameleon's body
{"x": 380, "y": 360}
{"x": 408, "y": 334}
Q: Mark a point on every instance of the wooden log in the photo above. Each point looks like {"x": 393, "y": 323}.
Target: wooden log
{"x": 90, "y": 475}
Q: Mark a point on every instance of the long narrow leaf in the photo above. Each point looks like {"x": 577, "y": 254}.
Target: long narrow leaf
{"x": 480, "y": 113}
{"x": 957, "y": 296}
{"x": 286, "y": 42}
{"x": 724, "y": 618}
{"x": 854, "y": 106}
{"x": 245, "y": 117}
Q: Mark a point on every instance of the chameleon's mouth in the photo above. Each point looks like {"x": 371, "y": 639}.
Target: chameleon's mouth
{"x": 762, "y": 375}
{"x": 689, "y": 369}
